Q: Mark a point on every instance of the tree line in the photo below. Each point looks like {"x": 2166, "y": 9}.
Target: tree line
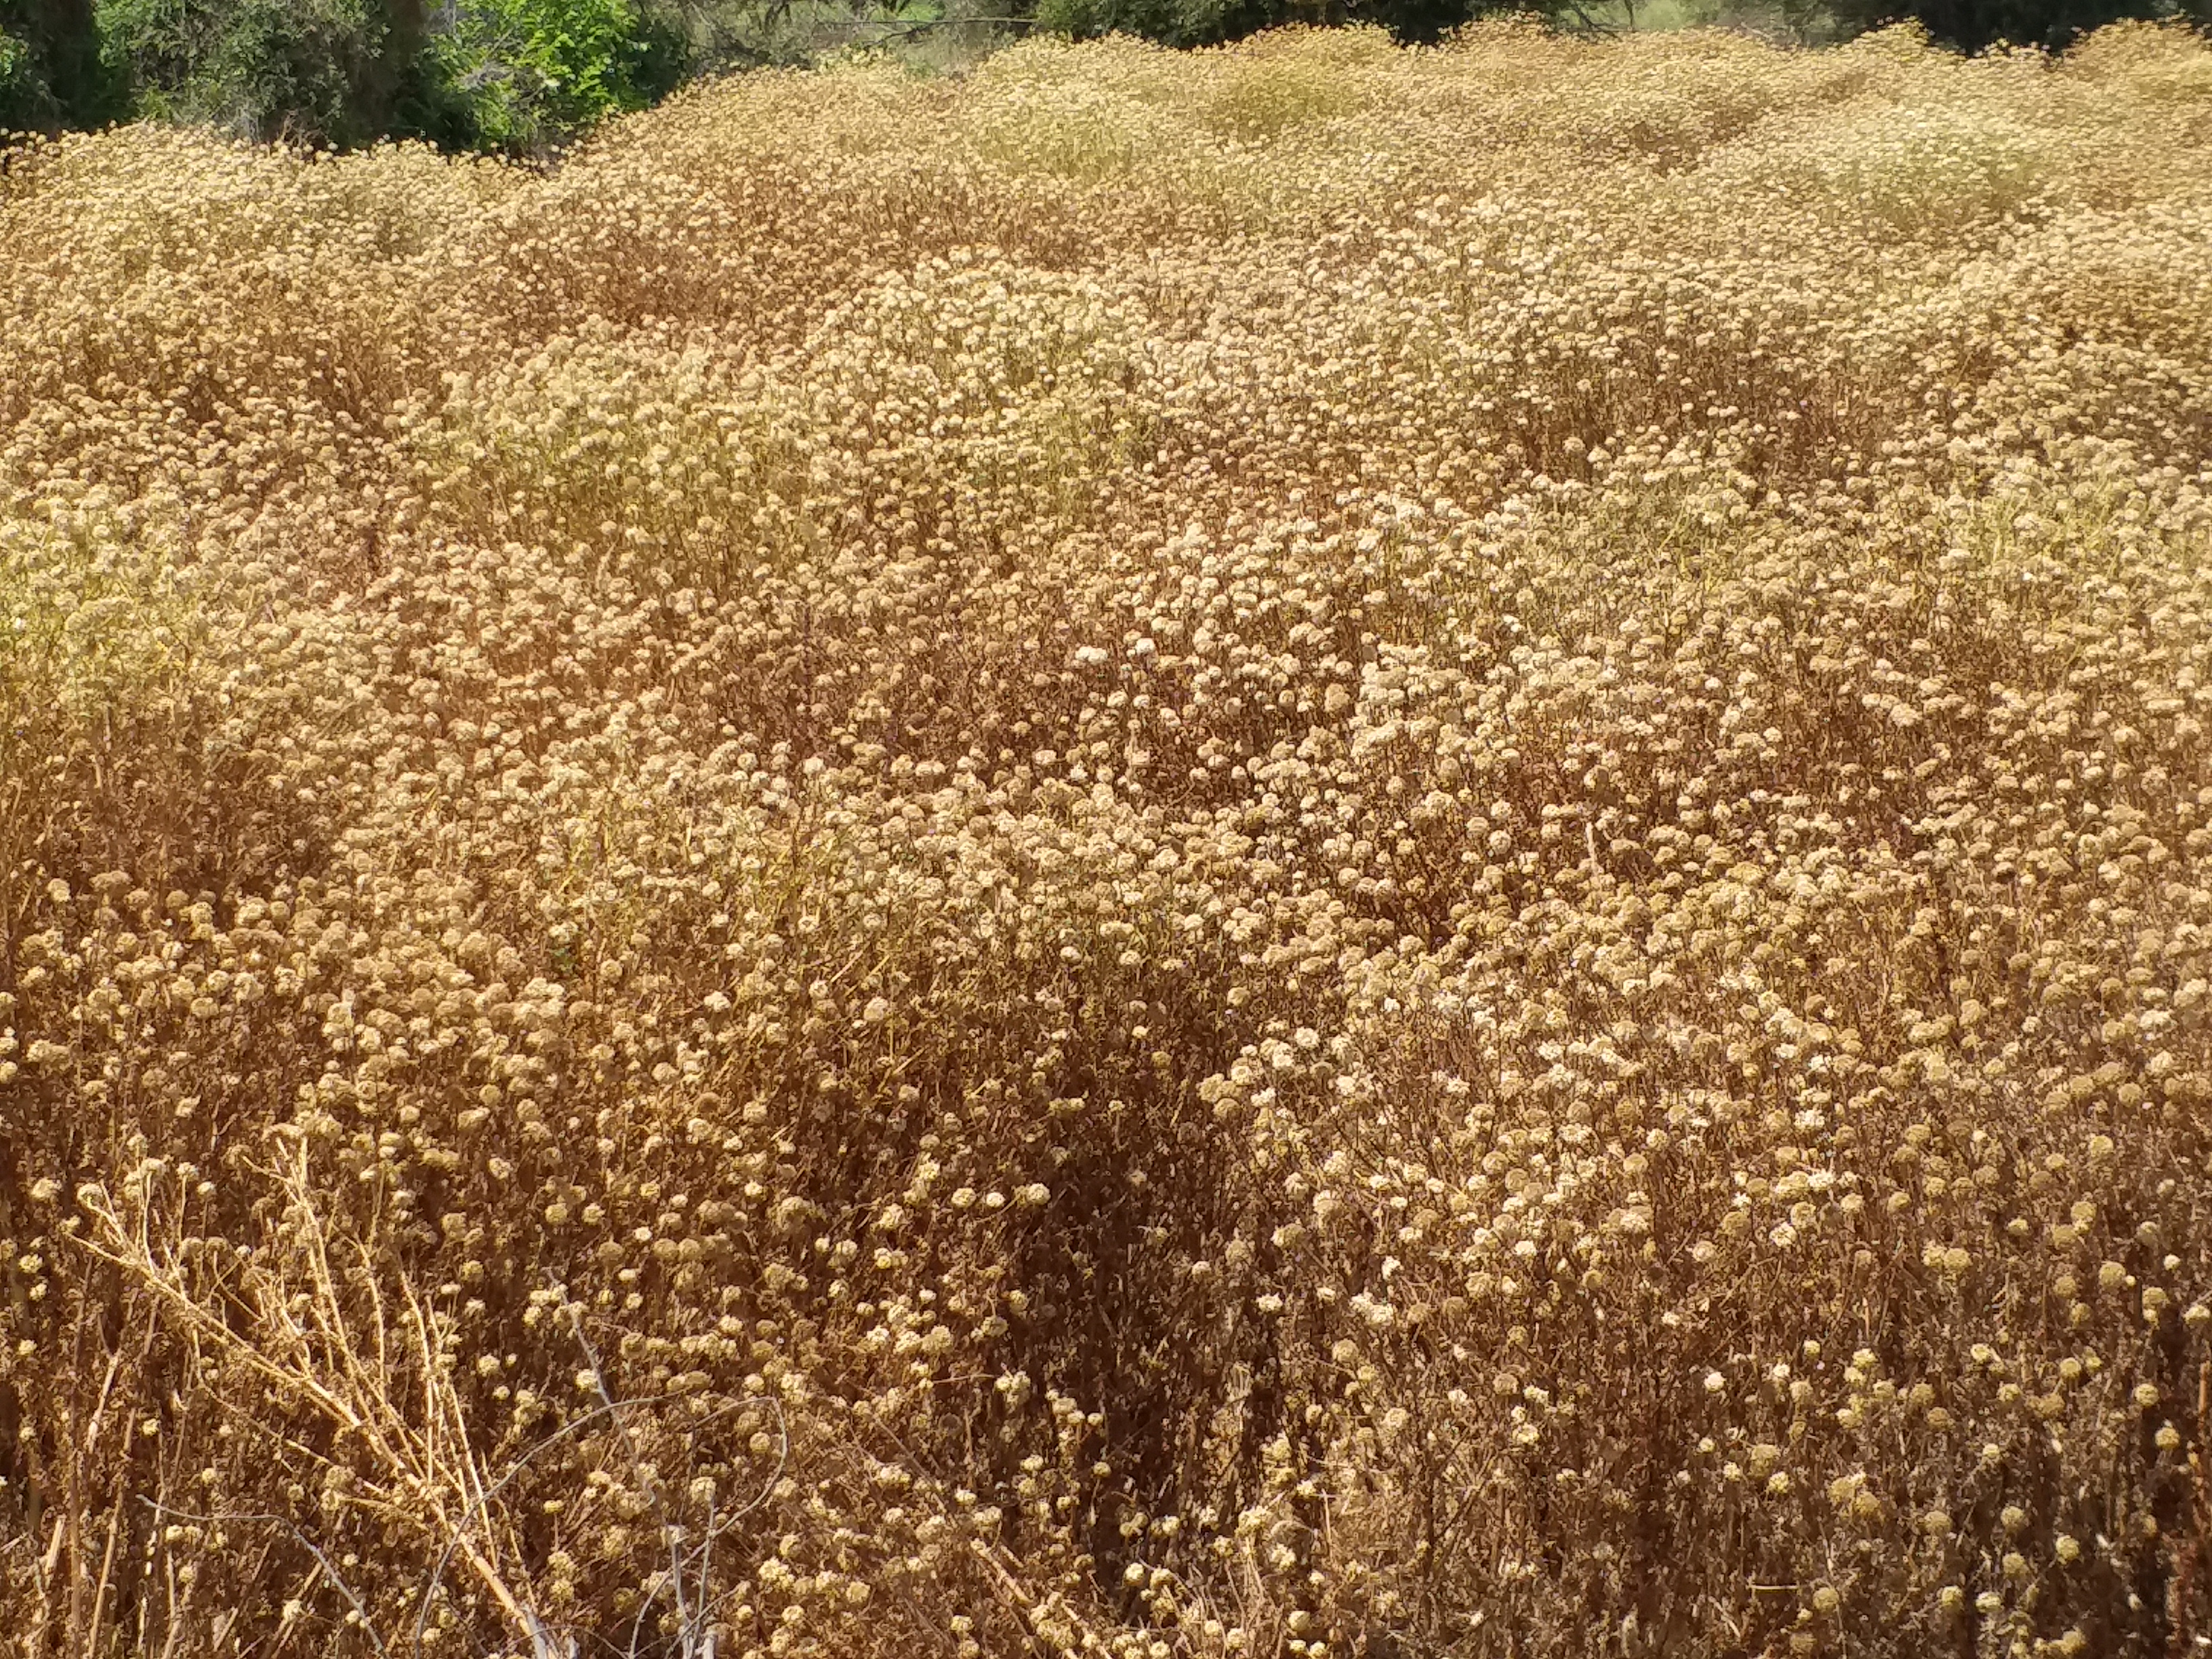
{"x": 523, "y": 75}
{"x": 502, "y": 75}
{"x": 1964, "y": 25}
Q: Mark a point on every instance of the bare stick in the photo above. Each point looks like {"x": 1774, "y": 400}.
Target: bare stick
{"x": 670, "y": 1531}
{"x": 782, "y": 1459}
{"x": 460, "y": 1529}
{"x": 305, "y": 1543}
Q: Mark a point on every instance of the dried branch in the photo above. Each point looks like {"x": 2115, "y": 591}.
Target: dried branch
{"x": 243, "y": 1518}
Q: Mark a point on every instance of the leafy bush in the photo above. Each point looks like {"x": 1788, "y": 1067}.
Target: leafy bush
{"x": 1967, "y": 25}
{"x": 530, "y": 71}
{"x": 318, "y": 71}
{"x": 1200, "y": 23}
{"x": 20, "y": 93}
{"x": 50, "y": 73}
{"x": 1974, "y": 25}
{"x": 509, "y": 75}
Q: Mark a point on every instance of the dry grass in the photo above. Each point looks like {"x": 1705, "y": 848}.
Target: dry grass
{"x": 1309, "y": 851}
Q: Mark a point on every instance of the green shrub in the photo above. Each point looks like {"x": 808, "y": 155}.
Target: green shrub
{"x": 1972, "y": 25}
{"x": 315, "y": 70}
{"x": 528, "y": 72}
{"x": 511, "y": 75}
{"x": 50, "y": 73}
{"x": 18, "y": 91}
{"x": 1203, "y": 22}
{"x": 1967, "y": 25}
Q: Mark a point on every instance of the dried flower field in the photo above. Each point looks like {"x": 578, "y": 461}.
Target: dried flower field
{"x": 1311, "y": 851}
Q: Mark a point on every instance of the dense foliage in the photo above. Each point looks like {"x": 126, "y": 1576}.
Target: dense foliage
{"x": 1976, "y": 25}
{"x": 328, "y": 70}
{"x": 1304, "y": 851}
{"x": 529, "y": 70}
{"x": 1965, "y": 24}
{"x": 50, "y": 71}
{"x": 511, "y": 75}
{"x": 1202, "y": 22}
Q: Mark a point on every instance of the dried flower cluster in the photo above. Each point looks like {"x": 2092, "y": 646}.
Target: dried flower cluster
{"x": 1308, "y": 851}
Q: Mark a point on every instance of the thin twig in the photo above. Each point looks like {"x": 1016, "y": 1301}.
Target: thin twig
{"x": 782, "y": 1460}
{"x": 670, "y": 1532}
{"x": 460, "y": 1529}
{"x": 707, "y": 1566}
{"x": 707, "y": 1609}
{"x": 370, "y": 1415}
{"x": 305, "y": 1543}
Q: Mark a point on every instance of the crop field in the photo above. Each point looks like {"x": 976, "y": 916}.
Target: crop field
{"x": 1315, "y": 850}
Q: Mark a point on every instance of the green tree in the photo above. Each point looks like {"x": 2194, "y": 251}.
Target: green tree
{"x": 316, "y": 70}
{"x": 531, "y": 72}
{"x": 1974, "y": 25}
{"x": 1203, "y": 22}
{"x": 50, "y": 71}
{"x": 511, "y": 75}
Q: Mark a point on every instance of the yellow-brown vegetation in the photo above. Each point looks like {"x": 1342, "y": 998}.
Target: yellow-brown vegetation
{"x": 1308, "y": 851}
